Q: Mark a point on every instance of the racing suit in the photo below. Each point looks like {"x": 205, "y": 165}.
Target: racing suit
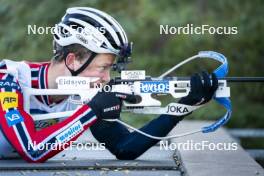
{"x": 17, "y": 128}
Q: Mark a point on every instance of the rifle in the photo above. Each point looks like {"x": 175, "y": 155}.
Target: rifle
{"x": 144, "y": 87}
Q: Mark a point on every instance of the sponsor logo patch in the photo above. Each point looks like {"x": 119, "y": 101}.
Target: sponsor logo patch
{"x": 7, "y": 83}
{"x": 13, "y": 117}
{"x": 9, "y": 100}
{"x": 154, "y": 87}
{"x": 70, "y": 133}
{"x": 177, "y": 109}
{"x": 113, "y": 108}
{"x": 133, "y": 74}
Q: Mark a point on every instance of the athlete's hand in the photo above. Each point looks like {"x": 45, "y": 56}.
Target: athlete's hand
{"x": 107, "y": 105}
{"x": 202, "y": 89}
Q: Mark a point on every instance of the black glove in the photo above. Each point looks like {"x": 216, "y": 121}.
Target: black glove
{"x": 201, "y": 91}
{"x": 107, "y": 105}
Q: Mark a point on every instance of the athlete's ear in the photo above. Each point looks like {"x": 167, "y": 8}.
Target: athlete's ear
{"x": 71, "y": 61}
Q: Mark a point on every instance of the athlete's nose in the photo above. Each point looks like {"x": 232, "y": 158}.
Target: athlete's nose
{"x": 106, "y": 76}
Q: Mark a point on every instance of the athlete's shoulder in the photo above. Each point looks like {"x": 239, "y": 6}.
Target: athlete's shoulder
{"x": 19, "y": 69}
{"x": 36, "y": 65}
{"x": 11, "y": 64}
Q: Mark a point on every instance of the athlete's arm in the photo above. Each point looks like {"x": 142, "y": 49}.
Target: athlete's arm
{"x": 126, "y": 145}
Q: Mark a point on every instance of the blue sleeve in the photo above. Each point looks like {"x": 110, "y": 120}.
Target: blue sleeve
{"x": 127, "y": 145}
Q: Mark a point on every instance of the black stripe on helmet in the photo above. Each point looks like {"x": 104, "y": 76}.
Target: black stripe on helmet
{"x": 92, "y": 22}
{"x": 111, "y": 24}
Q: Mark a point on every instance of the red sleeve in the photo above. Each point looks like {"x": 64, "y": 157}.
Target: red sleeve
{"x": 18, "y": 126}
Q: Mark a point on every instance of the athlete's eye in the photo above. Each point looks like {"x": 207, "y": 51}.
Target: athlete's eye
{"x": 104, "y": 68}
{"x": 101, "y": 68}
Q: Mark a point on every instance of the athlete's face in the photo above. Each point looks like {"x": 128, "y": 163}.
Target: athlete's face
{"x": 100, "y": 67}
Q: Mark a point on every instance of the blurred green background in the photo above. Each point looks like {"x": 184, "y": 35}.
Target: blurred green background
{"x": 154, "y": 52}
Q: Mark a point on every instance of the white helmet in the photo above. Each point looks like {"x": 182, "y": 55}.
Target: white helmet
{"x": 94, "y": 30}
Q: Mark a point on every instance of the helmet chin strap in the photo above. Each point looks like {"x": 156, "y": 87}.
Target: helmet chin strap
{"x": 83, "y": 67}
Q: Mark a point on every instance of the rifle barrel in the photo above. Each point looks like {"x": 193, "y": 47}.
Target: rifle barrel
{"x": 234, "y": 79}
{"x": 244, "y": 79}
{"x": 228, "y": 79}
